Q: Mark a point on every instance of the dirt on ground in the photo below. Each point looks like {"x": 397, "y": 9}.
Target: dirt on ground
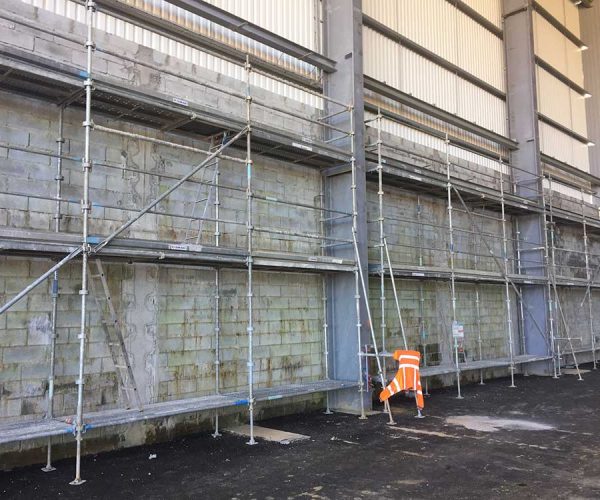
{"x": 539, "y": 440}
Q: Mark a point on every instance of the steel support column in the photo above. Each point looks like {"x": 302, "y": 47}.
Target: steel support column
{"x": 343, "y": 44}
{"x": 523, "y": 123}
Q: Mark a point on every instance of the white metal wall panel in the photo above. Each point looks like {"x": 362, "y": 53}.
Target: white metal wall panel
{"x": 555, "y": 7}
{"x": 427, "y": 81}
{"x": 574, "y": 62}
{"x": 554, "y": 48}
{"x": 295, "y": 20}
{"x": 481, "y": 108}
{"x": 553, "y": 98}
{"x": 572, "y": 18}
{"x": 418, "y": 137}
{"x": 413, "y": 74}
{"x": 558, "y": 145}
{"x": 383, "y": 59}
{"x": 480, "y": 52}
{"x": 490, "y": 9}
{"x": 565, "y": 12}
{"x": 549, "y": 43}
{"x": 578, "y": 113}
{"x": 431, "y": 23}
{"x": 304, "y": 12}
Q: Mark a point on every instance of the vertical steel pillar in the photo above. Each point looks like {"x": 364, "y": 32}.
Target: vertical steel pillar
{"x": 343, "y": 43}
{"x": 527, "y": 177}
{"x": 86, "y": 209}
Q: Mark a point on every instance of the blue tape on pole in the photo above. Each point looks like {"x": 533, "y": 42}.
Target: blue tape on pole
{"x": 240, "y": 402}
{"x": 93, "y": 239}
{"x": 55, "y": 287}
{"x": 83, "y": 74}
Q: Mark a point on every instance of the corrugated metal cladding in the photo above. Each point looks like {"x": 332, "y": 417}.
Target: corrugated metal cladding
{"x": 403, "y": 69}
{"x": 566, "y": 12}
{"x": 555, "y": 99}
{"x": 561, "y": 103}
{"x": 490, "y": 9}
{"x": 565, "y": 148}
{"x": 441, "y": 28}
{"x": 297, "y": 20}
{"x": 557, "y": 50}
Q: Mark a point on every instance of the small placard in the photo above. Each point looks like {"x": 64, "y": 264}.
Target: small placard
{"x": 458, "y": 330}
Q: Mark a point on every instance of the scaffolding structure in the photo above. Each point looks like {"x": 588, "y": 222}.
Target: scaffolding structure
{"x": 505, "y": 252}
{"x": 442, "y": 179}
{"x": 192, "y": 249}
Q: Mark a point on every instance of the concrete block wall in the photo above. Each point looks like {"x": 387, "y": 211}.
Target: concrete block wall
{"x": 167, "y": 313}
{"x": 570, "y": 251}
{"x": 129, "y": 173}
{"x": 434, "y": 316}
{"x": 407, "y": 241}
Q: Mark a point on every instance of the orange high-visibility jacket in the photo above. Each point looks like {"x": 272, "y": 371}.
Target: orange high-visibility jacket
{"x": 407, "y": 378}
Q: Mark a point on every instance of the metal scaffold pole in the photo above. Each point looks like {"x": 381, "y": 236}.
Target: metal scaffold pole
{"x": 382, "y": 298}
{"x": 250, "y": 230}
{"x": 357, "y": 271}
{"x": 507, "y": 300}
{"x": 452, "y": 273}
{"x": 588, "y": 274}
{"x": 478, "y": 322}
{"x": 322, "y": 215}
{"x": 55, "y": 294}
{"x": 558, "y": 307}
{"x": 551, "y": 325}
{"x": 86, "y": 209}
{"x": 217, "y": 310}
{"x": 517, "y": 238}
{"x": 423, "y": 333}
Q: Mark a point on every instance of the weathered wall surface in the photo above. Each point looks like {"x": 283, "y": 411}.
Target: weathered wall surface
{"x": 168, "y": 318}
{"x": 416, "y": 228}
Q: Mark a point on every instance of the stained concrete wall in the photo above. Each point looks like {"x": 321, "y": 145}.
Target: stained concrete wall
{"x": 167, "y": 311}
{"x": 168, "y": 318}
{"x": 426, "y": 305}
{"x": 411, "y": 242}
